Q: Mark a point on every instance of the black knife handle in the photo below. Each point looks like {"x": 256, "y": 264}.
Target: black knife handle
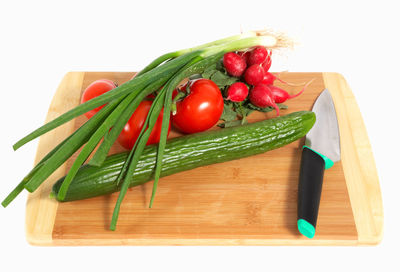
{"x": 310, "y": 186}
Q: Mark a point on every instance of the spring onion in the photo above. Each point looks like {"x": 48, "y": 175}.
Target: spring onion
{"x": 168, "y": 71}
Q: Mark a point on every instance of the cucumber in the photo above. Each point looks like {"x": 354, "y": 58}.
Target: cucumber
{"x": 189, "y": 152}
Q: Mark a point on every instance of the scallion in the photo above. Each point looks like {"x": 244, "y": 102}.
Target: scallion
{"x": 167, "y": 71}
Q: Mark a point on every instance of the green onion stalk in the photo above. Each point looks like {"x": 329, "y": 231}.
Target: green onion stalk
{"x": 167, "y": 72}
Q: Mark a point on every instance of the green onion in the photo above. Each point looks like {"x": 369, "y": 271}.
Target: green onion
{"x": 93, "y": 142}
{"x": 138, "y": 82}
{"x": 65, "y": 151}
{"x": 21, "y": 186}
{"x": 196, "y": 66}
{"x": 168, "y": 70}
{"x": 175, "y": 54}
{"x": 136, "y": 151}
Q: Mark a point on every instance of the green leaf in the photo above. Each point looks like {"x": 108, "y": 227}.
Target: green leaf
{"x": 242, "y": 110}
{"x": 267, "y": 109}
{"x": 222, "y": 79}
{"x": 220, "y": 65}
{"x": 209, "y": 71}
{"x": 282, "y": 106}
{"x": 228, "y": 114}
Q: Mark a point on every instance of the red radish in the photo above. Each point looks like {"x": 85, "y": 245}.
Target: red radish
{"x": 267, "y": 63}
{"x": 261, "y": 96}
{"x": 254, "y": 74}
{"x": 234, "y": 64}
{"x": 269, "y": 78}
{"x": 281, "y": 95}
{"x": 245, "y": 55}
{"x": 257, "y": 56}
{"x": 237, "y": 92}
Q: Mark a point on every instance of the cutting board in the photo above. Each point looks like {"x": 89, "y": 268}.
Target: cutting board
{"x": 250, "y": 201}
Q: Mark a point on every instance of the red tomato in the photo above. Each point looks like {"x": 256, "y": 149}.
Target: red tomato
{"x": 95, "y": 89}
{"x": 201, "y": 109}
{"x": 132, "y": 129}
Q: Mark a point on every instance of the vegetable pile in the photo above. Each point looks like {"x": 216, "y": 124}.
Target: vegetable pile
{"x": 151, "y": 93}
{"x": 228, "y": 78}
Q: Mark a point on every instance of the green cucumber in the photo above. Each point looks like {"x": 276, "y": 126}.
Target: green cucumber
{"x": 189, "y": 152}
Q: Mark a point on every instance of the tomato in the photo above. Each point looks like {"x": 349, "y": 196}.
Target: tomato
{"x": 95, "y": 89}
{"x": 201, "y": 109}
{"x": 132, "y": 129}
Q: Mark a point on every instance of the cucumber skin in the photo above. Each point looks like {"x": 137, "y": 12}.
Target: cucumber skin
{"x": 189, "y": 152}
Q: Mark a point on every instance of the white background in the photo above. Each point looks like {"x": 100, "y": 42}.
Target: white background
{"x": 42, "y": 40}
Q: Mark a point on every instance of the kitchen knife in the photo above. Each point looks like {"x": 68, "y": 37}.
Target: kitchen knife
{"x": 320, "y": 152}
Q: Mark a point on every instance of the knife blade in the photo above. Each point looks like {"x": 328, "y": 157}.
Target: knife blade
{"x": 320, "y": 152}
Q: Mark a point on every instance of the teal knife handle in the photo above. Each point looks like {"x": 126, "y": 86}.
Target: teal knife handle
{"x": 313, "y": 165}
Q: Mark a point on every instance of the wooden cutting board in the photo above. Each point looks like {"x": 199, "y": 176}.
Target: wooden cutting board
{"x": 250, "y": 201}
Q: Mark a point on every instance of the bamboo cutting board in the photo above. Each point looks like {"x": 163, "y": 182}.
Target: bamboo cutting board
{"x": 250, "y": 201}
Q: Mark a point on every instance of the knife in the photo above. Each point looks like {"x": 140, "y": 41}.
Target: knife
{"x": 320, "y": 152}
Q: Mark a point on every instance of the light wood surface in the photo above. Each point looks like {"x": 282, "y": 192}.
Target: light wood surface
{"x": 251, "y": 201}
{"x": 40, "y": 210}
{"x": 358, "y": 163}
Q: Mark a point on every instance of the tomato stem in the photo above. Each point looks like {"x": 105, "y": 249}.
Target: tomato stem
{"x": 176, "y": 98}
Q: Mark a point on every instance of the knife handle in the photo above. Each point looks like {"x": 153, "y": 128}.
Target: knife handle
{"x": 313, "y": 165}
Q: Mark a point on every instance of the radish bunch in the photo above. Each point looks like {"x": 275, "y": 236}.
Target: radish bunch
{"x": 252, "y": 68}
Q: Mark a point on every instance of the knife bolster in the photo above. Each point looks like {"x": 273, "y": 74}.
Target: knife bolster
{"x": 328, "y": 162}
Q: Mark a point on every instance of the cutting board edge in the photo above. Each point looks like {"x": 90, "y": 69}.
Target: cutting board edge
{"x": 193, "y": 242}
{"x": 40, "y": 209}
{"x": 363, "y": 186}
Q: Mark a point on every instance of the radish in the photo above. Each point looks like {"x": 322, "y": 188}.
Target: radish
{"x": 269, "y": 79}
{"x": 254, "y": 74}
{"x": 257, "y": 56}
{"x": 237, "y": 92}
{"x": 280, "y": 95}
{"x": 261, "y": 96}
{"x": 267, "y": 63}
{"x": 245, "y": 55}
{"x": 234, "y": 64}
